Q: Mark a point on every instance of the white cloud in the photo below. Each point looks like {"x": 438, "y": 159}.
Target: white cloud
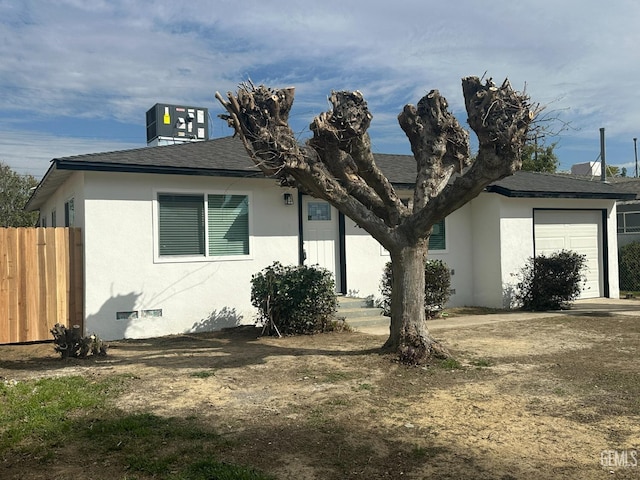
{"x": 31, "y": 152}
{"x": 114, "y": 59}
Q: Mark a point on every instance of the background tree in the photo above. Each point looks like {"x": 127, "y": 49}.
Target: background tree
{"x": 337, "y": 165}
{"x": 539, "y": 158}
{"x": 15, "y": 190}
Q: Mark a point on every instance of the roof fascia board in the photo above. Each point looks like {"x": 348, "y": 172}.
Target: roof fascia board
{"x": 586, "y": 195}
{"x": 118, "y": 167}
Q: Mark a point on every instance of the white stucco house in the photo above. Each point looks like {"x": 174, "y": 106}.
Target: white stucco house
{"x": 173, "y": 234}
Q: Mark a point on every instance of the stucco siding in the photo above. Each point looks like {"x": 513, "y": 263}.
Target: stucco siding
{"x": 73, "y": 188}
{"x": 458, "y": 256}
{"x": 124, "y": 275}
{"x": 486, "y": 272}
{"x": 516, "y": 246}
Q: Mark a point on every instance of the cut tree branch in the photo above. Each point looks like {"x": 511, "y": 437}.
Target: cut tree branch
{"x": 500, "y": 117}
{"x": 258, "y": 115}
{"x": 438, "y": 142}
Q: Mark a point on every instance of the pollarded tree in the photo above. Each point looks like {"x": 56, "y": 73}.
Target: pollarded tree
{"x": 337, "y": 165}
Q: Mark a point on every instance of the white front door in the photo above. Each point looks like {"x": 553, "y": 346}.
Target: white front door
{"x": 320, "y": 235}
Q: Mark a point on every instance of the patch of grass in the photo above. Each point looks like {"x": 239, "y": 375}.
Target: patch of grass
{"x": 481, "y": 362}
{"x": 39, "y": 417}
{"x": 208, "y": 469}
{"x": 423, "y": 453}
{"x": 335, "y": 376}
{"x": 322, "y": 419}
{"x": 365, "y": 386}
{"x": 338, "y": 402}
{"x": 324, "y": 376}
{"x": 450, "y": 364}
{"x": 36, "y": 411}
{"x": 203, "y": 374}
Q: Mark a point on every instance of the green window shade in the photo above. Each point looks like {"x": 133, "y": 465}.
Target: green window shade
{"x": 228, "y": 225}
{"x": 181, "y": 224}
{"x": 437, "y": 238}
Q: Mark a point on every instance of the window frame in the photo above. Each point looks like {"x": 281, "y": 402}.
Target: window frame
{"x": 206, "y": 257}
{"x": 70, "y": 212}
{"x": 385, "y": 253}
{"x": 444, "y": 235}
{"x": 622, "y": 227}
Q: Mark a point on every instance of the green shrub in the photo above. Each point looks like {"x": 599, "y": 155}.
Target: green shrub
{"x": 294, "y": 299}
{"x": 629, "y": 264}
{"x": 437, "y": 288}
{"x": 551, "y": 282}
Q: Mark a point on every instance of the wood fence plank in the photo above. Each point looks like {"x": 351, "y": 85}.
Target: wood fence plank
{"x": 14, "y": 284}
{"x": 43, "y": 330}
{"x": 77, "y": 271}
{"x": 4, "y": 288}
{"x": 31, "y": 328}
{"x": 62, "y": 274}
{"x": 50, "y": 275}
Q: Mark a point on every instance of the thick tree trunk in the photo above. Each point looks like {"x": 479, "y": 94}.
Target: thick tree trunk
{"x": 408, "y": 333}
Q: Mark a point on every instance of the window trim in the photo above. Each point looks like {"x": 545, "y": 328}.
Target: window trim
{"x": 207, "y": 257}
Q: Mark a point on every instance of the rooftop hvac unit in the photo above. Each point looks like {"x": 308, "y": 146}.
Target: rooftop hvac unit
{"x": 176, "y": 124}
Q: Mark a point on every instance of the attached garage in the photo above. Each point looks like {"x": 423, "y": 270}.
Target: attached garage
{"x": 544, "y": 213}
{"x": 580, "y": 231}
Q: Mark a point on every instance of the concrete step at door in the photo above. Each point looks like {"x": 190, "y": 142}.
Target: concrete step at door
{"x": 360, "y": 312}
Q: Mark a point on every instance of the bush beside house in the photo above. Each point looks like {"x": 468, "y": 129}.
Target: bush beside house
{"x": 294, "y": 299}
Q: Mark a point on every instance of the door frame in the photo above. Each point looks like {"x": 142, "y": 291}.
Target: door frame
{"x": 341, "y": 244}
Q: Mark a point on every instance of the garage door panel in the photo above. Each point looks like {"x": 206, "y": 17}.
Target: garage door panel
{"x": 550, "y": 244}
{"x": 578, "y": 231}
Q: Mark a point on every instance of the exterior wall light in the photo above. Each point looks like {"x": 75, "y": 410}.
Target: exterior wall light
{"x": 288, "y": 199}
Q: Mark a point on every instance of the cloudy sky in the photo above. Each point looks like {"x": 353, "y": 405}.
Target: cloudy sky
{"x": 78, "y": 76}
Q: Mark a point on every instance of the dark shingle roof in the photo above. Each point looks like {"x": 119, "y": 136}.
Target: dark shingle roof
{"x": 546, "y": 185}
{"x": 213, "y": 157}
{"x": 227, "y": 157}
{"x": 629, "y": 185}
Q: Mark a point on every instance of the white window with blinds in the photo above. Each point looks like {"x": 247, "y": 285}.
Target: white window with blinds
{"x": 202, "y": 226}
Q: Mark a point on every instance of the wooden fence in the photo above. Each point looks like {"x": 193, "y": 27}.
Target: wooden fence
{"x": 41, "y": 282}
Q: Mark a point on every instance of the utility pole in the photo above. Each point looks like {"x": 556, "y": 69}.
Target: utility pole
{"x": 635, "y": 149}
{"x": 603, "y": 161}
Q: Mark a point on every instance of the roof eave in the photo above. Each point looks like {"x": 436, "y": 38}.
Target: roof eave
{"x": 159, "y": 169}
{"x": 544, "y": 194}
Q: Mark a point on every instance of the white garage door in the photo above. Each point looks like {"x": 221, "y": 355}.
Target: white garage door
{"x": 576, "y": 230}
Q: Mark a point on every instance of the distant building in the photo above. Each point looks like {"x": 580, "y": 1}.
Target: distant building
{"x": 593, "y": 169}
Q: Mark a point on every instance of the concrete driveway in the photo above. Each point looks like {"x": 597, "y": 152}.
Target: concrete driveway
{"x": 591, "y": 306}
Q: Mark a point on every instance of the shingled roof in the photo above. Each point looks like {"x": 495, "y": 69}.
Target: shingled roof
{"x": 547, "y": 185}
{"x": 227, "y": 157}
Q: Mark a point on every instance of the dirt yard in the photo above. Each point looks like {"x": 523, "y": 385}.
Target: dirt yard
{"x": 539, "y": 399}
